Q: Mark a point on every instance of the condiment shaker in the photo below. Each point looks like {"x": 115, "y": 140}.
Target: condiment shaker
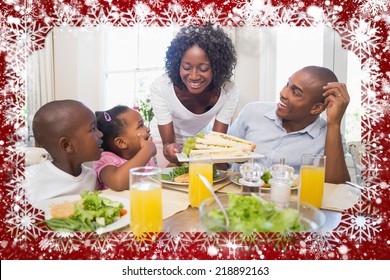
{"x": 281, "y": 183}
{"x": 251, "y": 181}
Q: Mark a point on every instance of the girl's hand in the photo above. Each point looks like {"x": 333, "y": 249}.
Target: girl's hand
{"x": 148, "y": 144}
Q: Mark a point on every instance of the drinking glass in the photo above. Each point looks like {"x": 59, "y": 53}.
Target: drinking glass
{"x": 197, "y": 191}
{"x": 145, "y": 200}
{"x": 312, "y": 179}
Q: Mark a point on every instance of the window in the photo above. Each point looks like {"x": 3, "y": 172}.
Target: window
{"x": 133, "y": 58}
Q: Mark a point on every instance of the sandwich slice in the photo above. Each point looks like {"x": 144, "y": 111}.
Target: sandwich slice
{"x": 217, "y": 145}
{"x": 217, "y": 140}
{"x": 219, "y": 153}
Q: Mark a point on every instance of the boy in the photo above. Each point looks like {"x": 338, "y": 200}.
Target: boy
{"x": 67, "y": 130}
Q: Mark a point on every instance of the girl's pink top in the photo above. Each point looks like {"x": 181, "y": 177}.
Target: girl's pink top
{"x": 109, "y": 158}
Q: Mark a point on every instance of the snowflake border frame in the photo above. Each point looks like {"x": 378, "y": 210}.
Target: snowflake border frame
{"x": 26, "y": 34}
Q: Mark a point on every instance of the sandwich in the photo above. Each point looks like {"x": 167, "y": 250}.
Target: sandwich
{"x": 219, "y": 144}
{"x": 184, "y": 178}
{"x": 217, "y": 140}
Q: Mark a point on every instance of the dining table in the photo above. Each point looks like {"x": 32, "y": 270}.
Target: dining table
{"x": 179, "y": 216}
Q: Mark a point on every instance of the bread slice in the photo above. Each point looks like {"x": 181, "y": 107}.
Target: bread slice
{"x": 220, "y": 153}
{"x": 216, "y": 140}
{"x": 64, "y": 210}
{"x": 230, "y": 140}
{"x": 184, "y": 178}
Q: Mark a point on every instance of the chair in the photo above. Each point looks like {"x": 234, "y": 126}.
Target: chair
{"x": 35, "y": 155}
{"x": 353, "y": 160}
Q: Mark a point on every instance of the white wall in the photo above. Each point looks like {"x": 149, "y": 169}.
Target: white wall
{"x": 78, "y": 61}
{"x": 247, "y": 72}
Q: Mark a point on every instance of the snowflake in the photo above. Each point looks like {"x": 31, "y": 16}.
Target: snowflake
{"x": 386, "y": 86}
{"x": 360, "y": 37}
{"x": 25, "y": 37}
{"x": 176, "y": 14}
{"x": 372, "y": 109}
{"x": 362, "y": 224}
{"x": 156, "y": 3}
{"x": 233, "y": 242}
{"x": 104, "y": 243}
{"x": 174, "y": 243}
{"x": 374, "y": 7}
{"x": 320, "y": 244}
{"x": 64, "y": 242}
{"x": 254, "y": 242}
{"x": 92, "y": 3}
{"x": 99, "y": 16}
{"x": 21, "y": 219}
{"x": 206, "y": 240}
{"x": 258, "y": 13}
{"x": 65, "y": 15}
{"x": 370, "y": 73}
{"x": 137, "y": 244}
{"x": 209, "y": 13}
{"x": 15, "y": 113}
{"x": 284, "y": 242}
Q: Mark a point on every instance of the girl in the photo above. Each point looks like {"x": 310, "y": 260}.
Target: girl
{"x": 126, "y": 143}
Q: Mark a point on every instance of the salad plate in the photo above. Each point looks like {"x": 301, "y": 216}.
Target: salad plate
{"x": 121, "y": 222}
{"x": 221, "y": 176}
{"x": 236, "y": 180}
{"x": 182, "y": 157}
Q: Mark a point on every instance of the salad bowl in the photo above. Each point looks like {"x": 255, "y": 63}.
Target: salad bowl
{"x": 256, "y": 213}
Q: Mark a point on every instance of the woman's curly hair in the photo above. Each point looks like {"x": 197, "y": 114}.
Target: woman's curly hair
{"x": 214, "y": 41}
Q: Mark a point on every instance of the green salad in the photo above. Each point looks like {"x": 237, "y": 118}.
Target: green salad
{"x": 93, "y": 212}
{"x": 253, "y": 214}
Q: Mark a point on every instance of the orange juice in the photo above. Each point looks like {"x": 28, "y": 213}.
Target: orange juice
{"x": 197, "y": 191}
{"x": 146, "y": 208}
{"x": 312, "y": 185}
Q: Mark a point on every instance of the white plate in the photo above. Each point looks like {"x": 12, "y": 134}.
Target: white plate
{"x": 236, "y": 180}
{"x": 182, "y": 157}
{"x": 122, "y": 221}
{"x": 222, "y": 175}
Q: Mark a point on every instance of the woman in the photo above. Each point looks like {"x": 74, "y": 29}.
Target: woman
{"x": 196, "y": 93}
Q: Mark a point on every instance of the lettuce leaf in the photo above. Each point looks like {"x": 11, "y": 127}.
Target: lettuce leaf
{"x": 252, "y": 214}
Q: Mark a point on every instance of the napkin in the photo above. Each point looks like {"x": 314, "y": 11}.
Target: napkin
{"x": 339, "y": 197}
{"x": 173, "y": 202}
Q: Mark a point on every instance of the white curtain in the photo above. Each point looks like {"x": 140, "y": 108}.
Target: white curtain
{"x": 39, "y": 83}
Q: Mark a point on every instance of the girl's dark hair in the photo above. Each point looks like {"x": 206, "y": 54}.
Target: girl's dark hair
{"x": 214, "y": 41}
{"x": 109, "y": 123}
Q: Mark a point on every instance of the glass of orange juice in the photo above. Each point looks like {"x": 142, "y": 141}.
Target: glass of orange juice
{"x": 145, "y": 200}
{"x": 312, "y": 179}
{"x": 197, "y": 191}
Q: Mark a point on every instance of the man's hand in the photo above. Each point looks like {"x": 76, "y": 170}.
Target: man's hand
{"x": 336, "y": 100}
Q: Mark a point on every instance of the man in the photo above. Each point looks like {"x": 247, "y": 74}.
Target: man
{"x": 295, "y": 127}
